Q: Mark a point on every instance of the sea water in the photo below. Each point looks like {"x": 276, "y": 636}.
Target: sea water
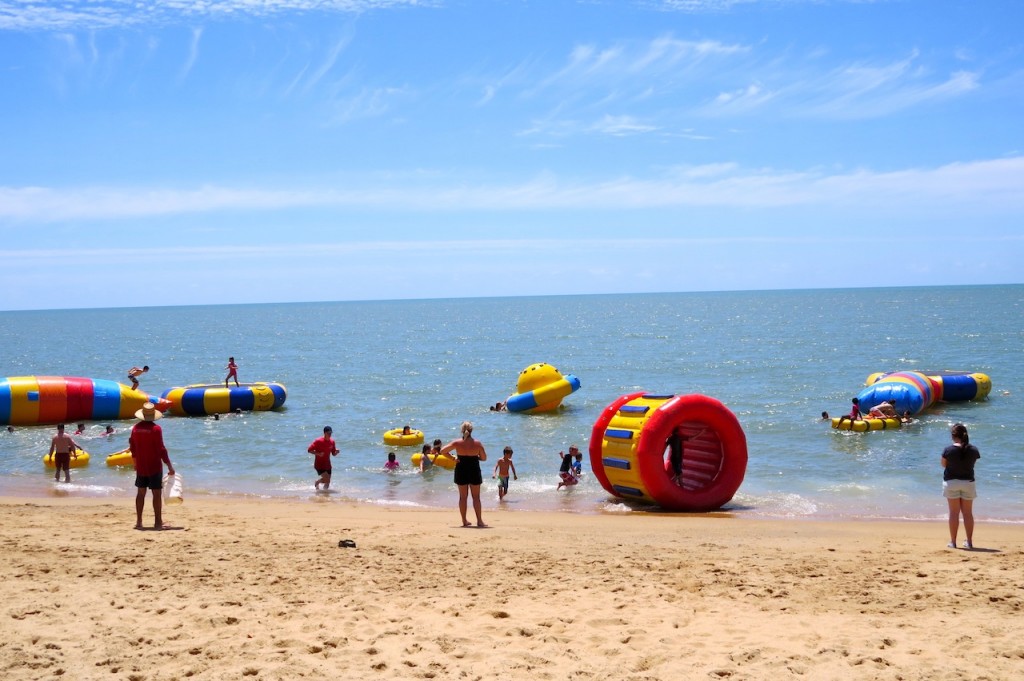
{"x": 777, "y": 359}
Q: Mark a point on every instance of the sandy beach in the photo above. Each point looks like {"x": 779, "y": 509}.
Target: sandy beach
{"x": 262, "y": 590}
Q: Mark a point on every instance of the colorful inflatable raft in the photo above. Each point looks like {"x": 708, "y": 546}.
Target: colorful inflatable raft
{"x": 915, "y": 391}
{"x": 78, "y": 460}
{"x": 628, "y": 452}
{"x": 541, "y": 388}
{"x": 201, "y": 400}
{"x": 42, "y": 400}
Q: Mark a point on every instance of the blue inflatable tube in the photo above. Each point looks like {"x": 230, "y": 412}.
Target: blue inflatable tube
{"x": 905, "y": 390}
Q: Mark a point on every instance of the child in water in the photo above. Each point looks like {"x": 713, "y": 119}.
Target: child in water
{"x": 501, "y": 470}
{"x": 426, "y": 461}
{"x": 566, "y": 478}
{"x": 392, "y": 463}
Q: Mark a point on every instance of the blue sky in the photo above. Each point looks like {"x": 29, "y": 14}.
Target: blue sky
{"x": 182, "y": 152}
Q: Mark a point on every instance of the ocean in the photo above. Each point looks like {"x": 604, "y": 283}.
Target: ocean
{"x": 777, "y": 359}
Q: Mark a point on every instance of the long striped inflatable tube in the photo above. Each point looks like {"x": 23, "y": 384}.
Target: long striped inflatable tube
{"x": 951, "y": 386}
{"x": 628, "y": 451}
{"x": 906, "y": 390}
{"x": 42, "y": 400}
{"x": 200, "y": 400}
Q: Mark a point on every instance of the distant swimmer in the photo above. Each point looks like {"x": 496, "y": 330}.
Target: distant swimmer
{"x": 133, "y": 375}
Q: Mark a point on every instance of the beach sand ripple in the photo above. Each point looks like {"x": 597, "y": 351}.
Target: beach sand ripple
{"x": 244, "y": 589}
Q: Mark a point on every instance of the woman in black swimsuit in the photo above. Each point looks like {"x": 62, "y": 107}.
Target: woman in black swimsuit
{"x": 470, "y": 453}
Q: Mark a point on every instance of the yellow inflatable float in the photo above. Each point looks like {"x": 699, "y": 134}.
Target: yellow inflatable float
{"x": 79, "y": 459}
{"x": 541, "y": 388}
{"x": 122, "y": 458}
{"x": 864, "y": 425}
{"x": 442, "y": 460}
{"x": 403, "y": 437}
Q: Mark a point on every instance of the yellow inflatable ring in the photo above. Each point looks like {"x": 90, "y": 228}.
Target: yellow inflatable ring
{"x": 442, "y": 460}
{"x": 80, "y": 461}
{"x": 122, "y": 458}
{"x": 396, "y": 438}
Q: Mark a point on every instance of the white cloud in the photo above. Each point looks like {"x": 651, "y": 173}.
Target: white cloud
{"x": 26, "y": 15}
{"x": 989, "y": 186}
{"x": 621, "y": 126}
{"x": 193, "y": 54}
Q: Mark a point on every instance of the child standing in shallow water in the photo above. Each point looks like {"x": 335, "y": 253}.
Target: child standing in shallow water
{"x": 566, "y": 478}
{"x": 501, "y": 470}
{"x": 392, "y": 463}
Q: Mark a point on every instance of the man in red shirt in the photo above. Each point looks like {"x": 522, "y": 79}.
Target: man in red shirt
{"x": 323, "y": 448}
{"x": 150, "y": 454}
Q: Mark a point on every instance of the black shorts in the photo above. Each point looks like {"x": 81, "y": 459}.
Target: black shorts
{"x": 149, "y": 481}
{"x": 467, "y": 471}
{"x": 321, "y": 471}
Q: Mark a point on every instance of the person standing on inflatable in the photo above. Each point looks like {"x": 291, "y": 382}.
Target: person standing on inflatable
{"x": 323, "y": 448}
{"x": 134, "y": 373}
{"x": 149, "y": 454}
{"x": 232, "y": 372}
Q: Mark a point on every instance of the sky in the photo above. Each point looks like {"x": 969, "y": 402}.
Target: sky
{"x": 182, "y": 152}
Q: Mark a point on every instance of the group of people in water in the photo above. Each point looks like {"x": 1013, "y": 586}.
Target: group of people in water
{"x": 883, "y": 410}
{"x": 468, "y": 453}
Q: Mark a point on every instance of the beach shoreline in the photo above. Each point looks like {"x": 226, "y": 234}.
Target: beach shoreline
{"x": 262, "y": 589}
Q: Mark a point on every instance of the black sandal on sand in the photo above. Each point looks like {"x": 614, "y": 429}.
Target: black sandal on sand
{"x": 346, "y": 544}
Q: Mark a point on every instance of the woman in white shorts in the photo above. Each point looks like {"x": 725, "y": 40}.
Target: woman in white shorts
{"x": 958, "y": 484}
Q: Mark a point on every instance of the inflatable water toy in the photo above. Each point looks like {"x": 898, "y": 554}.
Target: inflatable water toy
{"x": 915, "y": 391}
{"x": 950, "y": 386}
{"x": 442, "y": 460}
{"x": 864, "y": 425}
{"x": 76, "y": 462}
{"x": 121, "y": 458}
{"x": 398, "y": 438}
{"x": 541, "y": 388}
{"x": 628, "y": 451}
{"x": 43, "y": 400}
{"x": 202, "y": 400}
